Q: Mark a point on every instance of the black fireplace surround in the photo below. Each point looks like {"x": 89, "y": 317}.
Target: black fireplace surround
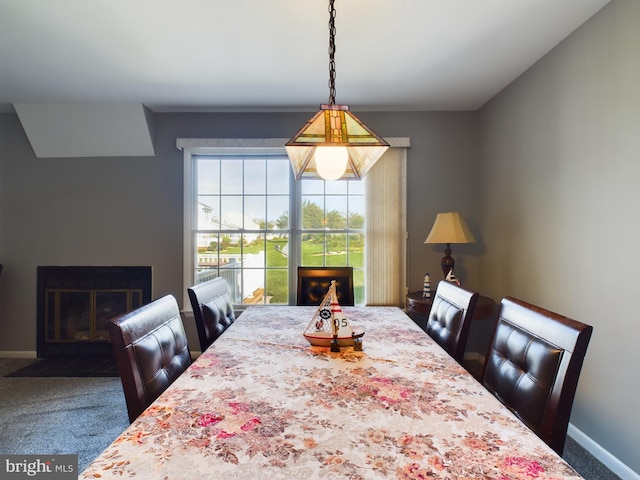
{"x": 74, "y": 302}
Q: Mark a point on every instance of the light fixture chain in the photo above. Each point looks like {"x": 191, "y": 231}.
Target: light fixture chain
{"x": 332, "y": 51}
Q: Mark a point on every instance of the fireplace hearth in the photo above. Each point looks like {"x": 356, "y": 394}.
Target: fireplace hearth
{"x": 75, "y": 302}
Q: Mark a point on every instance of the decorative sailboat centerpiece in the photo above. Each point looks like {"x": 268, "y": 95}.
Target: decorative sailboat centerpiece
{"x": 329, "y": 327}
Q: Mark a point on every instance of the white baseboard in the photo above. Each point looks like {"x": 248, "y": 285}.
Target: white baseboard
{"x": 595, "y": 449}
{"x": 10, "y": 354}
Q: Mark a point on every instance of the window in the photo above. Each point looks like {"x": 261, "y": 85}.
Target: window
{"x": 236, "y": 221}
{"x": 242, "y": 232}
{"x": 255, "y": 225}
{"x": 333, "y": 222}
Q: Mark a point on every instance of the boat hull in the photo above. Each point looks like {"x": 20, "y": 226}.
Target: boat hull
{"x": 321, "y": 339}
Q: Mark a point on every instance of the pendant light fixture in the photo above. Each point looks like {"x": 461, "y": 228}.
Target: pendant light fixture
{"x": 334, "y": 144}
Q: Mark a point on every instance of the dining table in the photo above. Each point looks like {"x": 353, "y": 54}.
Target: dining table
{"x": 262, "y": 403}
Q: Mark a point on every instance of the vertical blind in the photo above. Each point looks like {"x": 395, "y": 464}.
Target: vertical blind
{"x": 386, "y": 227}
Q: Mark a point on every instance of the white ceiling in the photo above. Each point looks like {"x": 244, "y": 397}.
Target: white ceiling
{"x": 268, "y": 55}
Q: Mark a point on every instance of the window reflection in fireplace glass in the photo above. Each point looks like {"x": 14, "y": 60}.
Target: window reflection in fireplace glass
{"x": 75, "y": 311}
{"x": 81, "y": 315}
{"x": 108, "y": 305}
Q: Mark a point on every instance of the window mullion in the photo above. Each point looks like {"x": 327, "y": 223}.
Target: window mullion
{"x": 295, "y": 223}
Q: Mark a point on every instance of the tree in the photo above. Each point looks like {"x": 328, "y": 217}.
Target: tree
{"x": 335, "y": 220}
{"x": 356, "y": 241}
{"x": 312, "y": 216}
{"x": 225, "y": 242}
{"x": 336, "y": 242}
{"x": 263, "y": 224}
{"x": 356, "y": 220}
{"x": 283, "y": 220}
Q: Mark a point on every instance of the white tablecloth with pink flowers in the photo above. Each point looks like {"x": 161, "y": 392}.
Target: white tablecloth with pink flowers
{"x": 261, "y": 403}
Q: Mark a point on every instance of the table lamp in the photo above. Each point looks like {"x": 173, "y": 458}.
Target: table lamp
{"x": 449, "y": 228}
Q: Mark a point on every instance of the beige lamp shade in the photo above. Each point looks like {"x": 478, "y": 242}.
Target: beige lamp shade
{"x": 449, "y": 228}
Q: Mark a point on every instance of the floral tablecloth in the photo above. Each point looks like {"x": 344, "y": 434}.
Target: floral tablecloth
{"x": 261, "y": 403}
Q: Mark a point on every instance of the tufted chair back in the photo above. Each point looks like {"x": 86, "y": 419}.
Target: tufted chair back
{"x": 533, "y": 364}
{"x": 151, "y": 350}
{"x": 450, "y": 317}
{"x": 314, "y": 282}
{"x": 212, "y": 309}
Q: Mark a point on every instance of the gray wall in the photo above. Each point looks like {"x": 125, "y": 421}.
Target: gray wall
{"x": 559, "y": 216}
{"x": 128, "y": 211}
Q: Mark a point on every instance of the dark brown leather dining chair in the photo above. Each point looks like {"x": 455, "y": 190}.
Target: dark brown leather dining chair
{"x": 450, "y": 317}
{"x": 212, "y": 309}
{"x": 314, "y": 282}
{"x": 151, "y": 350}
{"x": 533, "y": 364}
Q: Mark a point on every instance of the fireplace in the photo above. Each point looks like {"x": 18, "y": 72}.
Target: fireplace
{"x": 75, "y": 302}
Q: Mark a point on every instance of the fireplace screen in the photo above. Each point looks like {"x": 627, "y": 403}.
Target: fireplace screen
{"x": 74, "y": 304}
{"x": 80, "y": 315}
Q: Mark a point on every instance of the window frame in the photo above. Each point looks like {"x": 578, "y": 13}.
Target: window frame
{"x": 242, "y": 163}
{"x": 373, "y": 296}
{"x": 211, "y": 146}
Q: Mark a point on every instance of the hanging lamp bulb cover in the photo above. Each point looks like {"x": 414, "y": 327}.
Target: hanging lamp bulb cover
{"x": 335, "y": 126}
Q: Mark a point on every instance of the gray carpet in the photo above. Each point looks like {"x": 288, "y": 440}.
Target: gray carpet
{"x": 84, "y": 415}
{"x": 59, "y": 415}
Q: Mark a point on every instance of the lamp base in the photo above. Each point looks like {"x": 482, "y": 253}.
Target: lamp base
{"x": 447, "y": 263}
